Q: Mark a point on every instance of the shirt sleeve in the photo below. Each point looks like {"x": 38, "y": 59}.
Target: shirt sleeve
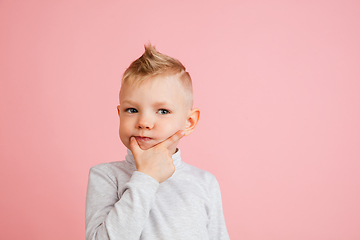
{"x": 216, "y": 226}
{"x": 117, "y": 212}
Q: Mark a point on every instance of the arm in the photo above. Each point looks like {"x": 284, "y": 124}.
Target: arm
{"x": 114, "y": 215}
{"x": 216, "y": 226}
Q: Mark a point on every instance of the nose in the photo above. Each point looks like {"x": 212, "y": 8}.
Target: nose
{"x": 144, "y": 122}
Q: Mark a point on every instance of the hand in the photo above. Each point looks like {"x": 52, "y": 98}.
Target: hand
{"x": 156, "y": 161}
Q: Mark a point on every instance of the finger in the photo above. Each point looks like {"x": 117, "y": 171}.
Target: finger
{"x": 175, "y": 137}
{"x": 134, "y": 147}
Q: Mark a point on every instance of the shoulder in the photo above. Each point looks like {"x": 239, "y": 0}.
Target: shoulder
{"x": 199, "y": 175}
{"x": 113, "y": 166}
{"x": 113, "y": 170}
{"x": 106, "y": 168}
{"x": 200, "y": 183}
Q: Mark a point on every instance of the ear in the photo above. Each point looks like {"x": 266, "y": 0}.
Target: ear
{"x": 192, "y": 120}
{"x": 118, "y": 110}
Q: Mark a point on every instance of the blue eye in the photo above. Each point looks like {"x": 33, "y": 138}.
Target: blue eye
{"x": 163, "y": 111}
{"x": 131, "y": 110}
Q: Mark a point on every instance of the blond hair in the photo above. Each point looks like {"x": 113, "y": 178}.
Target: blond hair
{"x": 153, "y": 63}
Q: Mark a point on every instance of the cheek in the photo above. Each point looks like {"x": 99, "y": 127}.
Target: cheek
{"x": 169, "y": 128}
{"x": 125, "y": 122}
{"x": 124, "y": 130}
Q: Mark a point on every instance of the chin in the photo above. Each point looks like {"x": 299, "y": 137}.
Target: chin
{"x": 146, "y": 146}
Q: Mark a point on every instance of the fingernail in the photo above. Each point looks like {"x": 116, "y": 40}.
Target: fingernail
{"x": 182, "y": 132}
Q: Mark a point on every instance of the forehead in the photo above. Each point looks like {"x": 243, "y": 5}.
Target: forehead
{"x": 158, "y": 88}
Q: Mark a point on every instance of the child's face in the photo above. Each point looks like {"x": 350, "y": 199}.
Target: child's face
{"x": 152, "y": 111}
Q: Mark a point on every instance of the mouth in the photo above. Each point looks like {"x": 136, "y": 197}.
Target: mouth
{"x": 142, "y": 139}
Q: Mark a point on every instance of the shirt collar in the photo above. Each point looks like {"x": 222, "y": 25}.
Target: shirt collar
{"x": 176, "y": 158}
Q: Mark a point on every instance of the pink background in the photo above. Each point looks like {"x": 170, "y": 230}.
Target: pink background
{"x": 278, "y": 84}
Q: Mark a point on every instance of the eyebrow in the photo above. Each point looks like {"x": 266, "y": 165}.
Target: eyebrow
{"x": 163, "y": 103}
{"x": 128, "y": 101}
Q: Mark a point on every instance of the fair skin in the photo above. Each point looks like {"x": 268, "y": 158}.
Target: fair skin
{"x": 154, "y": 117}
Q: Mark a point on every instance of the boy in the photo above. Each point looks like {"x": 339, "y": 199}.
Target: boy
{"x": 153, "y": 194}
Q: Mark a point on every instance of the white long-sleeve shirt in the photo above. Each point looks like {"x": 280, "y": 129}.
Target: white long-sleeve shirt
{"x": 122, "y": 203}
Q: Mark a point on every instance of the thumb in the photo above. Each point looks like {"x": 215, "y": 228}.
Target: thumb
{"x": 134, "y": 147}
